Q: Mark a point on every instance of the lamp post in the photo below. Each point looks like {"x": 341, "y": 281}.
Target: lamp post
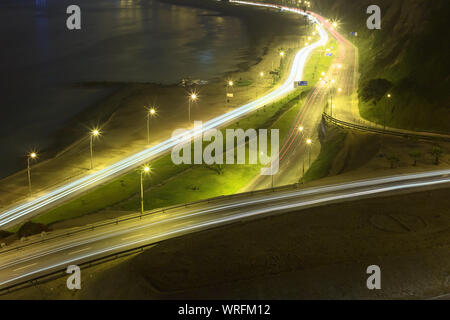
{"x": 192, "y": 98}
{"x": 261, "y": 75}
{"x": 384, "y": 121}
{"x": 94, "y": 133}
{"x": 145, "y": 170}
{"x": 331, "y": 96}
{"x": 309, "y": 142}
{"x": 151, "y": 113}
{"x": 230, "y": 84}
{"x": 31, "y": 156}
{"x": 301, "y": 130}
{"x": 281, "y": 57}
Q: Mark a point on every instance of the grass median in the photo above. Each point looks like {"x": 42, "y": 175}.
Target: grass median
{"x": 171, "y": 184}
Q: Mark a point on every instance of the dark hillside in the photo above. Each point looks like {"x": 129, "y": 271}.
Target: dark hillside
{"x": 410, "y": 51}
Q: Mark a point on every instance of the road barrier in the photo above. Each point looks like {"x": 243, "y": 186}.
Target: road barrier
{"x": 344, "y": 124}
{"x": 91, "y": 227}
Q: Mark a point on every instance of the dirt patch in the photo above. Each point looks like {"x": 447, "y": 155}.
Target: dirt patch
{"x": 358, "y": 149}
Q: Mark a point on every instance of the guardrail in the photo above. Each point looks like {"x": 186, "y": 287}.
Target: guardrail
{"x": 139, "y": 216}
{"x": 430, "y": 136}
{"x": 61, "y": 272}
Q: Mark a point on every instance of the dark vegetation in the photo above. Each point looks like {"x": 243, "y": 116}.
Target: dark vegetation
{"x": 30, "y": 228}
{"x": 410, "y": 51}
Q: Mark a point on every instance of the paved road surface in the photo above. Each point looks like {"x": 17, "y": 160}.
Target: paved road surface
{"x": 38, "y": 259}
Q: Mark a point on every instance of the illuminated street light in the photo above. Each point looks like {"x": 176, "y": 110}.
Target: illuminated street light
{"x": 282, "y": 54}
{"x": 261, "y": 74}
{"x": 309, "y": 142}
{"x": 323, "y": 73}
{"x": 31, "y": 156}
{"x": 300, "y": 128}
{"x": 151, "y": 113}
{"x": 94, "y": 133}
{"x": 384, "y": 117}
{"x": 145, "y": 170}
{"x": 192, "y": 98}
{"x": 339, "y": 89}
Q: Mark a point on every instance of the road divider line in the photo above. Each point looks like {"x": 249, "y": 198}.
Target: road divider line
{"x": 24, "y": 267}
{"x": 78, "y": 251}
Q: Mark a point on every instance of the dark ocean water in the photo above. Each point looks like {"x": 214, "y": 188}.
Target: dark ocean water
{"x": 120, "y": 40}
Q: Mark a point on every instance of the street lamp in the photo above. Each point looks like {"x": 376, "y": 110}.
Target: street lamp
{"x": 230, "y": 84}
{"x": 384, "y": 121}
{"x": 94, "y": 133}
{"x": 192, "y": 98}
{"x": 145, "y": 170}
{"x": 331, "y": 96}
{"x": 261, "y": 75}
{"x": 31, "y": 156}
{"x": 309, "y": 142}
{"x": 151, "y": 113}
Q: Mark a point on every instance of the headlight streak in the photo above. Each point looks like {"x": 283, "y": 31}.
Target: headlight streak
{"x": 224, "y": 220}
{"x": 284, "y": 196}
{"x": 296, "y": 72}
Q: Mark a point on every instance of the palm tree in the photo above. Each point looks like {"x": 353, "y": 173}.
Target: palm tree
{"x": 437, "y": 153}
{"x": 416, "y": 155}
{"x": 393, "y": 160}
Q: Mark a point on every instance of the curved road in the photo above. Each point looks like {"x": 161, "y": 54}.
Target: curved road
{"x": 15, "y": 214}
{"x": 22, "y": 264}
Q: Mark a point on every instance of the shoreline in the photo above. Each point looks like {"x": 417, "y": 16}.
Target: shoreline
{"x": 102, "y": 110}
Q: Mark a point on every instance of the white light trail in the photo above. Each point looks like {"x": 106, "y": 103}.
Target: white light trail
{"x": 84, "y": 183}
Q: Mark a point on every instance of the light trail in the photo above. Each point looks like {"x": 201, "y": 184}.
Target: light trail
{"x": 220, "y": 215}
{"x": 71, "y": 189}
{"x": 320, "y": 194}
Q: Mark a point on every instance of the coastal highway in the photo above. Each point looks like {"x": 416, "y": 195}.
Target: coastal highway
{"x": 26, "y": 262}
{"x": 19, "y": 212}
